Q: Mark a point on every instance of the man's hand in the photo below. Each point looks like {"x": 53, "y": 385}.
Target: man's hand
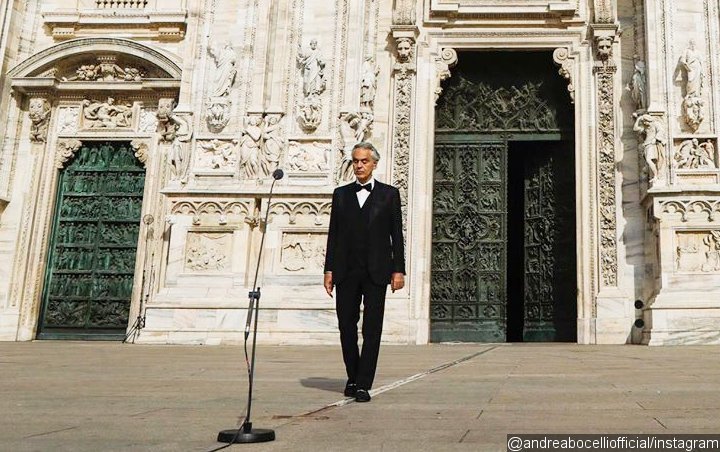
{"x": 328, "y": 283}
{"x": 397, "y": 281}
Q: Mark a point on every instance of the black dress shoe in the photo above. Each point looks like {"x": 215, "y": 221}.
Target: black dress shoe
{"x": 350, "y": 389}
{"x": 362, "y": 396}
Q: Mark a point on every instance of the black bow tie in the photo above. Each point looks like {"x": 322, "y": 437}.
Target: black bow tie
{"x": 359, "y": 187}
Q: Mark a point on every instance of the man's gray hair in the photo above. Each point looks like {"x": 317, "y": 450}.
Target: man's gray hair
{"x": 369, "y": 146}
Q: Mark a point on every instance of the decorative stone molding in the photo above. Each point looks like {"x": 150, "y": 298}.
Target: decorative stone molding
{"x": 701, "y": 210}
{"x": 561, "y": 57}
{"x": 403, "y": 12}
{"x": 320, "y": 210}
{"x": 227, "y": 208}
{"x": 501, "y": 13}
{"x": 446, "y": 59}
{"x": 606, "y": 144}
{"x": 65, "y": 150}
{"x": 39, "y": 113}
{"x": 144, "y": 23}
{"x": 141, "y": 151}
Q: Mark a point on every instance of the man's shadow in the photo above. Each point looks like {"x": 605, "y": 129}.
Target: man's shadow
{"x": 324, "y": 383}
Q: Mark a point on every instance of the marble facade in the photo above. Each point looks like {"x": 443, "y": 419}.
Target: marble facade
{"x": 216, "y": 94}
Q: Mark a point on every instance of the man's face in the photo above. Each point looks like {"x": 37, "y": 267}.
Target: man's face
{"x": 363, "y": 164}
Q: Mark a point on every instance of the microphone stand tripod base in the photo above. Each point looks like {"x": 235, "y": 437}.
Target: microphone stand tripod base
{"x": 246, "y": 434}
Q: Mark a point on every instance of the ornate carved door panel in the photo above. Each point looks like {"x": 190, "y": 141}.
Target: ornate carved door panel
{"x": 549, "y": 275}
{"x": 91, "y": 261}
{"x": 467, "y": 295}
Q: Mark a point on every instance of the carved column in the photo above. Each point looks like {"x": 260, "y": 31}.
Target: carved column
{"x": 605, "y": 70}
{"x": 404, "y": 73}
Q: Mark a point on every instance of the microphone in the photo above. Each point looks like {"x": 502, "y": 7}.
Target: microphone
{"x": 278, "y": 174}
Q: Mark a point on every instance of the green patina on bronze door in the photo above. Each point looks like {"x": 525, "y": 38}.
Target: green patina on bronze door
{"x": 91, "y": 262}
{"x": 503, "y": 251}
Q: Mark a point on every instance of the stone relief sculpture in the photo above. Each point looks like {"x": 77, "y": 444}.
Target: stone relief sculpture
{"x": 166, "y": 126}
{"x": 368, "y": 83}
{"x": 352, "y": 127}
{"x": 309, "y": 158}
{"x": 39, "y": 112}
{"x": 250, "y": 145}
{"x": 313, "y": 74}
{"x": 148, "y": 121}
{"x": 108, "y": 114}
{"x": 272, "y": 144}
{"x": 653, "y": 145}
{"x": 693, "y": 155}
{"x": 218, "y": 112}
{"x": 217, "y": 154}
{"x": 303, "y": 252}
{"x": 698, "y": 251}
{"x": 691, "y": 68}
{"x": 638, "y": 85}
{"x": 107, "y": 70}
{"x": 68, "y": 120}
{"x": 207, "y": 252}
{"x": 712, "y": 262}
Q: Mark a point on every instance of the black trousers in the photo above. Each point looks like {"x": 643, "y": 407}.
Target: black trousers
{"x": 356, "y": 287}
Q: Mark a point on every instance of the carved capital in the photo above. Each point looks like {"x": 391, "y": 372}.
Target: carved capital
{"x": 604, "y": 36}
{"x": 561, "y": 57}
{"x": 447, "y": 59}
{"x": 65, "y": 150}
{"x": 141, "y": 151}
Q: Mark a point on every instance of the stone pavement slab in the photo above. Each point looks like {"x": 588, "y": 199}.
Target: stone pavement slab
{"x": 83, "y": 396}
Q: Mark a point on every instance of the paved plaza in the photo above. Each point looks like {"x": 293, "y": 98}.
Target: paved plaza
{"x": 71, "y": 396}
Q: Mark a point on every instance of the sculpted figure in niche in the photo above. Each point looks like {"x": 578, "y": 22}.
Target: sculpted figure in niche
{"x": 180, "y": 149}
{"x": 653, "y": 145}
{"x": 225, "y": 73}
{"x": 313, "y": 70}
{"x": 368, "y": 83}
{"x": 250, "y": 145}
{"x": 273, "y": 144}
{"x": 637, "y": 85}
{"x": 107, "y": 114}
{"x": 39, "y": 112}
{"x": 691, "y": 64}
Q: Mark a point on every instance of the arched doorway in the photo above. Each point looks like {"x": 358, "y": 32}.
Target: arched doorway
{"x": 503, "y": 238}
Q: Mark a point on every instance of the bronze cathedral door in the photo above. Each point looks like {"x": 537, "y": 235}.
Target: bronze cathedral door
{"x": 503, "y": 237}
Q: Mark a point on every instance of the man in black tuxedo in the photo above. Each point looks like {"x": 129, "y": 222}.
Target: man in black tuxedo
{"x": 365, "y": 253}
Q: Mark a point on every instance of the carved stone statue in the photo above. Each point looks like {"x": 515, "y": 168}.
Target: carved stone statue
{"x": 368, "y": 83}
{"x": 637, "y": 85}
{"x": 107, "y": 114}
{"x": 653, "y": 145}
{"x": 166, "y": 127}
{"x": 179, "y": 158}
{"x": 692, "y": 75}
{"x": 225, "y": 70}
{"x": 352, "y": 130}
{"x": 313, "y": 70}
{"x": 272, "y": 144}
{"x": 250, "y": 144}
{"x": 39, "y": 112}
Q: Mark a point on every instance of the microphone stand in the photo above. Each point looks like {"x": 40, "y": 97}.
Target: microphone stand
{"x": 246, "y": 433}
{"x": 140, "y": 321}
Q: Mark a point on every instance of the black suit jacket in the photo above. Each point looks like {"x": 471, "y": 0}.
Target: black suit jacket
{"x": 386, "y": 251}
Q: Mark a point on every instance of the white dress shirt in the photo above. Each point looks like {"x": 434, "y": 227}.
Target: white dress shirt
{"x": 362, "y": 195}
